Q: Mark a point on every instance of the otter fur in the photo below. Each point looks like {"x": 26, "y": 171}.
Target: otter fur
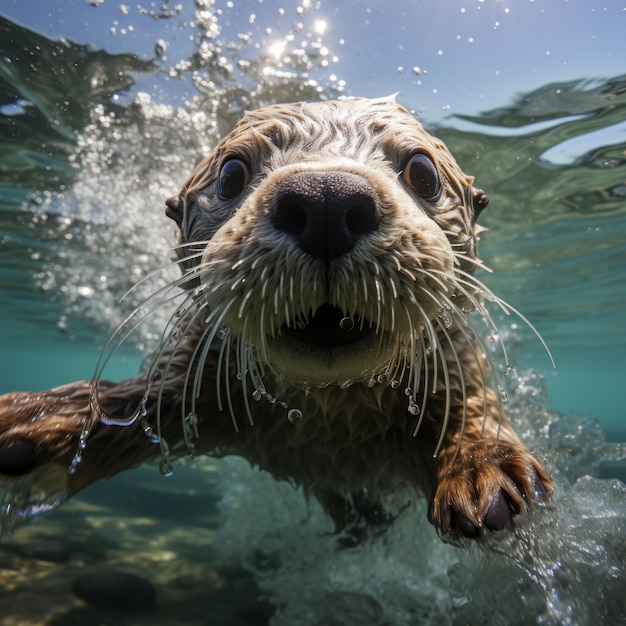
{"x": 322, "y": 332}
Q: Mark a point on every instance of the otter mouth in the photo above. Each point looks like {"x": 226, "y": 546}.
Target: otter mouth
{"x": 329, "y": 327}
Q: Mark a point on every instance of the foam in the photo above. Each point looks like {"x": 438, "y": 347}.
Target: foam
{"x": 564, "y": 563}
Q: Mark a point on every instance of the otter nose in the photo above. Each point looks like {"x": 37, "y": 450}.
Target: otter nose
{"x": 326, "y": 212}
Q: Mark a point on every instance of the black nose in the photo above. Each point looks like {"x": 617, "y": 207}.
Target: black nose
{"x": 326, "y": 212}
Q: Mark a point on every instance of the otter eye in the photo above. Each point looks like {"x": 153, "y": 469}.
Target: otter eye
{"x": 234, "y": 176}
{"x": 420, "y": 174}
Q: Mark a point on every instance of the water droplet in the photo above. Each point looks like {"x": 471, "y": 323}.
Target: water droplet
{"x": 408, "y": 392}
{"x": 508, "y": 370}
{"x": 149, "y": 432}
{"x": 165, "y": 467}
{"x": 493, "y": 338}
{"x": 160, "y": 47}
{"x": 395, "y": 384}
{"x": 75, "y": 462}
{"x": 294, "y": 415}
{"x": 413, "y": 408}
{"x": 191, "y": 418}
{"x": 346, "y": 323}
{"x": 256, "y": 395}
{"x": 445, "y": 316}
{"x": 504, "y": 396}
{"x": 381, "y": 378}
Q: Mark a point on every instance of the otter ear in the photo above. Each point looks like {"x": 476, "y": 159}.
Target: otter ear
{"x": 479, "y": 201}
{"x": 176, "y": 210}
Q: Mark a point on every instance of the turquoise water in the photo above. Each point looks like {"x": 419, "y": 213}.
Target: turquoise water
{"x": 105, "y": 107}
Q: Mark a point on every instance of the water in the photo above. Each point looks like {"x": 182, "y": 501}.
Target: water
{"x": 96, "y": 136}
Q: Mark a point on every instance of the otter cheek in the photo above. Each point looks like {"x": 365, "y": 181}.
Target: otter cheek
{"x": 17, "y": 457}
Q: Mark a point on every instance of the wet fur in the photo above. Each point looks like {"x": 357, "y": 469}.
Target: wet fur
{"x": 410, "y": 407}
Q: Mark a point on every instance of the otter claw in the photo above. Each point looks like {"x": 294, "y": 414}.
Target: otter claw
{"x": 498, "y": 516}
{"x": 499, "y": 513}
{"x": 463, "y": 525}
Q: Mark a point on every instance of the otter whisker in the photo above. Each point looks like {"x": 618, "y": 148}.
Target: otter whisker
{"x": 446, "y": 385}
{"x": 181, "y": 336}
{"x": 434, "y": 341}
{"x": 95, "y": 404}
{"x": 243, "y": 360}
{"x": 455, "y": 355}
{"x": 224, "y": 359}
{"x": 479, "y": 307}
{"x": 276, "y": 297}
{"x": 100, "y": 365}
{"x": 150, "y": 275}
{"x": 507, "y": 309}
{"x": 229, "y": 399}
{"x": 424, "y": 358}
{"x": 169, "y": 334}
{"x": 199, "y": 345}
{"x": 214, "y": 323}
{"x": 478, "y": 263}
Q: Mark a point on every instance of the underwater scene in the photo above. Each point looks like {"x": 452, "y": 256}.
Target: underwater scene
{"x": 105, "y": 109}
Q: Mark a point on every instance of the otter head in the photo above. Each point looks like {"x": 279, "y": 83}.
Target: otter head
{"x": 333, "y": 239}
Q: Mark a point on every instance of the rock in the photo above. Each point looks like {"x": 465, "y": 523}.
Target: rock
{"x": 115, "y": 589}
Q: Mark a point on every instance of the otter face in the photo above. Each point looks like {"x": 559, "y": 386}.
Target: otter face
{"x": 332, "y": 239}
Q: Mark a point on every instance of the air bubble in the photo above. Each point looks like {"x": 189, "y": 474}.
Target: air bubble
{"x": 294, "y": 415}
{"x": 256, "y": 395}
{"x": 408, "y": 392}
{"x": 504, "y": 396}
{"x": 395, "y": 384}
{"x": 413, "y": 408}
{"x": 508, "y": 370}
{"x": 166, "y": 468}
{"x": 191, "y": 424}
{"x": 493, "y": 338}
{"x": 381, "y": 378}
{"x": 446, "y": 317}
{"x": 346, "y": 323}
{"x": 75, "y": 462}
{"x": 149, "y": 432}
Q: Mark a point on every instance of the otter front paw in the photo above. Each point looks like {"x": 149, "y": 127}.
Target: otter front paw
{"x": 484, "y": 487}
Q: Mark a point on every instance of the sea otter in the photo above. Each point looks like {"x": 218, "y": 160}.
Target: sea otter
{"x": 328, "y": 252}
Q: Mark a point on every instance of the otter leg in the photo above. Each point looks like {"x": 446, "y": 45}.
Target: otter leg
{"x": 40, "y": 433}
{"x": 484, "y": 473}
